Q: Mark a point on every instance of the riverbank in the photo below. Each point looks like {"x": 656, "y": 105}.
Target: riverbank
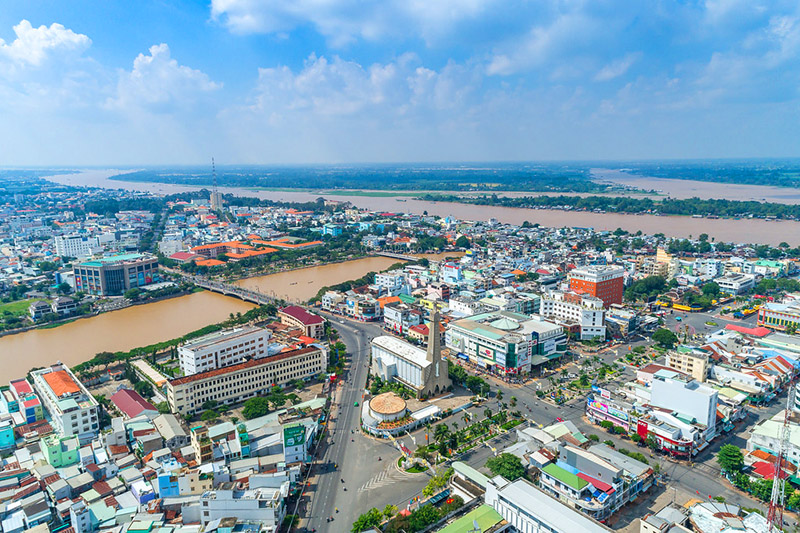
{"x": 738, "y": 231}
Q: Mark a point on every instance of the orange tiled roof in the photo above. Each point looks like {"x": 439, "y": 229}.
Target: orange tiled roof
{"x": 61, "y": 383}
{"x": 209, "y": 262}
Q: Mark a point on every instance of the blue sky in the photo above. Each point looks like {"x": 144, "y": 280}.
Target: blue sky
{"x": 315, "y": 81}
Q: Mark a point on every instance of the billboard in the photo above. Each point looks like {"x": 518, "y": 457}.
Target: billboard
{"x": 294, "y": 435}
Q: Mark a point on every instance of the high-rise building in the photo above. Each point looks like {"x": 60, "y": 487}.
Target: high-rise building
{"x": 601, "y": 281}
{"x": 113, "y": 275}
{"x": 76, "y": 245}
{"x": 73, "y": 410}
{"x": 216, "y": 201}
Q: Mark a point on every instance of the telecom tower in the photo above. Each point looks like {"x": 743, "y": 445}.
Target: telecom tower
{"x": 216, "y": 196}
{"x": 775, "y": 515}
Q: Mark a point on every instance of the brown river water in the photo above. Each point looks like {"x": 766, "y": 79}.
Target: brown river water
{"x": 745, "y": 230}
{"x": 146, "y": 324}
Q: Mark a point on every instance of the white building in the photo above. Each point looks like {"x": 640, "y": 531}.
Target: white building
{"x": 391, "y": 282}
{"x": 264, "y": 505}
{"x": 574, "y": 308}
{"x": 76, "y": 246}
{"x": 423, "y": 371}
{"x": 686, "y": 397}
{"x": 223, "y": 348}
{"x": 236, "y": 383}
{"x": 529, "y": 509}
{"x": 736, "y": 283}
{"x": 766, "y": 436}
{"x": 73, "y": 410}
{"x": 399, "y": 317}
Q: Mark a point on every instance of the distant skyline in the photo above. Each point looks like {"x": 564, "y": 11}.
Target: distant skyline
{"x": 158, "y": 82}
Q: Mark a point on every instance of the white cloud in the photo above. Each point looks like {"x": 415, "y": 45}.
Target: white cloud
{"x": 33, "y": 45}
{"x": 343, "y": 21}
{"x": 157, "y": 81}
{"x": 617, "y": 68}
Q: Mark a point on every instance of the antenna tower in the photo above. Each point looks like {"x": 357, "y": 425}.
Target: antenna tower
{"x": 214, "y": 174}
{"x": 776, "y": 504}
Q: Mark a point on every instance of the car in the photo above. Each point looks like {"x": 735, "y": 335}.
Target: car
{"x": 355, "y": 404}
{"x": 559, "y": 419}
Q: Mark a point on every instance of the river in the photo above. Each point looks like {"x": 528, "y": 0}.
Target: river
{"x": 146, "y": 324}
{"x": 132, "y": 327}
{"x": 745, "y": 230}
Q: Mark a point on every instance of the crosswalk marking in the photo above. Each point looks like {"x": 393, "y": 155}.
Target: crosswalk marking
{"x": 387, "y": 476}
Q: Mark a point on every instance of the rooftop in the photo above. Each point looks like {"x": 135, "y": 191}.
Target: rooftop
{"x": 387, "y": 403}
{"x": 402, "y": 349}
{"x": 61, "y": 383}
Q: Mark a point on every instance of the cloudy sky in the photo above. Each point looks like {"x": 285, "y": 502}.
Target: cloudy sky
{"x": 310, "y": 81}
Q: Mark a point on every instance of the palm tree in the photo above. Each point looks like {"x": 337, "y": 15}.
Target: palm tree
{"x": 441, "y": 432}
{"x": 487, "y": 413}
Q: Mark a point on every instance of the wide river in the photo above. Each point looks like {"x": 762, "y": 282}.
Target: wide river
{"x": 747, "y": 231}
{"x": 142, "y": 325}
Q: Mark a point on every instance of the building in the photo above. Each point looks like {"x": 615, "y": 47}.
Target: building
{"x": 262, "y": 505}
{"x": 691, "y": 362}
{"x": 73, "y": 410}
{"x": 60, "y": 451}
{"x": 529, "y": 509}
{"x": 64, "y": 306}
{"x": 113, "y": 275}
{"x": 312, "y": 325}
{"x": 27, "y": 402}
{"x": 604, "y": 282}
{"x": 780, "y": 316}
{"x": 735, "y": 284}
{"x": 77, "y": 246}
{"x": 131, "y": 404}
{"x": 424, "y": 372}
{"x": 587, "y": 312}
{"x": 236, "y": 383}
{"x": 505, "y": 342}
{"x": 399, "y": 317}
{"x": 362, "y": 307}
{"x": 390, "y": 282}
{"x": 766, "y": 436}
{"x": 170, "y": 429}
{"x": 216, "y": 201}
{"x": 223, "y": 348}
{"x": 687, "y": 398}
{"x": 39, "y": 309}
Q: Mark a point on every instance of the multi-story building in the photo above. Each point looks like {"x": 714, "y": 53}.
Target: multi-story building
{"x": 688, "y": 398}
{"x": 689, "y": 361}
{"x": 241, "y": 381}
{"x": 780, "y": 315}
{"x": 399, "y": 317}
{"x": 262, "y": 505}
{"x": 27, "y": 402}
{"x": 736, "y": 283}
{"x": 424, "y": 372}
{"x": 201, "y": 444}
{"x": 312, "y": 325}
{"x": 362, "y": 307}
{"x": 506, "y": 342}
{"x": 73, "y": 410}
{"x": 390, "y": 282}
{"x": 529, "y": 509}
{"x": 223, "y": 348}
{"x": 113, "y": 275}
{"x": 601, "y": 281}
{"x": 77, "y": 246}
{"x": 574, "y": 308}
{"x": 766, "y": 436}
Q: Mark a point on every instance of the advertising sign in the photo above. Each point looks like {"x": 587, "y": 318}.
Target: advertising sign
{"x": 605, "y": 394}
{"x": 617, "y": 414}
{"x": 597, "y": 406}
{"x": 294, "y": 435}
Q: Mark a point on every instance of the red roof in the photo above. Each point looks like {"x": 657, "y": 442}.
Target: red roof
{"x": 298, "y": 313}
{"x": 182, "y": 256}
{"x": 759, "y": 331}
{"x": 22, "y": 386}
{"x": 131, "y": 403}
{"x": 767, "y": 470}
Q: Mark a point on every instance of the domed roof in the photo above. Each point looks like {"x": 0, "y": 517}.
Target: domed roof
{"x": 506, "y": 324}
{"x": 387, "y": 403}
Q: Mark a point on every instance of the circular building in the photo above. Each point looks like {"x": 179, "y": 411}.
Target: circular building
{"x": 387, "y": 407}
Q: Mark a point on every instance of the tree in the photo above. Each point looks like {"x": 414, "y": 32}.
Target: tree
{"x": 144, "y": 388}
{"x": 389, "y": 511}
{"x": 711, "y": 289}
{"x": 132, "y": 294}
{"x": 255, "y": 407}
{"x": 369, "y": 520}
{"x": 594, "y": 438}
{"x": 104, "y": 358}
{"x": 441, "y": 432}
{"x": 507, "y": 465}
{"x": 636, "y": 438}
{"x": 423, "y": 517}
{"x": 665, "y": 338}
{"x": 730, "y": 458}
{"x": 607, "y": 425}
{"x": 63, "y": 288}
{"x": 463, "y": 242}
{"x": 209, "y": 415}
{"x": 619, "y": 430}
{"x": 163, "y": 407}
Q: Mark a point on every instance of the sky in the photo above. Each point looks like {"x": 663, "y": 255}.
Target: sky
{"x": 120, "y": 82}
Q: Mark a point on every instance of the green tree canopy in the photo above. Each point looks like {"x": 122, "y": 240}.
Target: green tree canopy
{"x": 507, "y": 465}
{"x": 665, "y": 338}
{"x": 255, "y": 407}
{"x": 369, "y": 520}
{"x": 730, "y": 458}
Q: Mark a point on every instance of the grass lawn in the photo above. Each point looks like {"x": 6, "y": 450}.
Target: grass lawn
{"x": 18, "y": 308}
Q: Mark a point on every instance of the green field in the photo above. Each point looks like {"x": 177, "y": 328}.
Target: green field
{"x": 18, "y": 308}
